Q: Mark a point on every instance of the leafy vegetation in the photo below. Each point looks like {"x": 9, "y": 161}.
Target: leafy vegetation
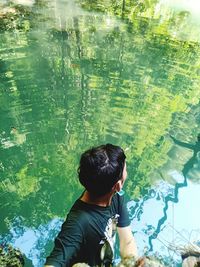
{"x": 10, "y": 257}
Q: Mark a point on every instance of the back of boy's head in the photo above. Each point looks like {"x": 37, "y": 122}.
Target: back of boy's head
{"x": 100, "y": 168}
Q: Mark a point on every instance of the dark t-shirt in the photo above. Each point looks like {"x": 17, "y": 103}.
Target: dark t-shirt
{"x": 86, "y": 230}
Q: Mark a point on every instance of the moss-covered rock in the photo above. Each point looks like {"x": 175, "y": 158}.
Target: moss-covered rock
{"x": 10, "y": 257}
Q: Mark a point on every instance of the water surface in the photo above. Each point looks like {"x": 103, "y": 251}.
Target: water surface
{"x": 73, "y": 76}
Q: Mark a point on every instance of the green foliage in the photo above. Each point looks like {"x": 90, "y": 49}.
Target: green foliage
{"x": 26, "y": 184}
{"x": 10, "y": 257}
{"x": 14, "y": 17}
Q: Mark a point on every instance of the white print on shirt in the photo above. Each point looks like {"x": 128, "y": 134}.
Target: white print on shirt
{"x": 109, "y": 233}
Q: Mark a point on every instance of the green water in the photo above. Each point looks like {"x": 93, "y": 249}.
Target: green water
{"x": 75, "y": 75}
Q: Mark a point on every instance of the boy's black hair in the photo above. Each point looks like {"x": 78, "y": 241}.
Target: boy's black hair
{"x": 100, "y": 168}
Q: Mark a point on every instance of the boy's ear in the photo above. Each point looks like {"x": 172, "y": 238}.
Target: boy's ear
{"x": 118, "y": 186}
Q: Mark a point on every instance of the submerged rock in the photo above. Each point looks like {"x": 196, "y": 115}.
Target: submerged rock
{"x": 191, "y": 255}
{"x": 191, "y": 262}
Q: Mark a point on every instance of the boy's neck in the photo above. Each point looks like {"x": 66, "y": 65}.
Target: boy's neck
{"x": 102, "y": 201}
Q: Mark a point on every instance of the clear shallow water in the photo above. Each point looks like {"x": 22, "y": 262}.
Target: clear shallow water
{"x": 70, "y": 82}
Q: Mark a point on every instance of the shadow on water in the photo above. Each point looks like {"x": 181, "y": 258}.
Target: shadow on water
{"x": 169, "y": 198}
{"x": 195, "y": 147}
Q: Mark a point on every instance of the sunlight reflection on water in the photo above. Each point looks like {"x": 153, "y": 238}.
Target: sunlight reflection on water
{"x": 178, "y": 229}
{"x": 32, "y": 242}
